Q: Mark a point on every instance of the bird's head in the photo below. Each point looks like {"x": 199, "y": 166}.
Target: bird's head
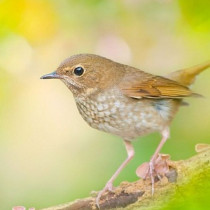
{"x": 87, "y": 73}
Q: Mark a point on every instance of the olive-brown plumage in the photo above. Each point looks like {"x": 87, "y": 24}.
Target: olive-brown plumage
{"x": 123, "y": 100}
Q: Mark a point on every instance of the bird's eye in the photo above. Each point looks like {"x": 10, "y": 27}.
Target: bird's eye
{"x": 78, "y": 71}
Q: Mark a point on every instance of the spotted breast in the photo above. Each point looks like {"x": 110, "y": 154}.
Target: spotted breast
{"x": 112, "y": 112}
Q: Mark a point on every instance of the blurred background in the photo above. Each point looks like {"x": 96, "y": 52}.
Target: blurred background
{"x": 48, "y": 154}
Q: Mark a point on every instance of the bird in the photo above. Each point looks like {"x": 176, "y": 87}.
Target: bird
{"x": 126, "y": 101}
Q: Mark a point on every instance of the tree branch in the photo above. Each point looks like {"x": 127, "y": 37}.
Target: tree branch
{"x": 137, "y": 195}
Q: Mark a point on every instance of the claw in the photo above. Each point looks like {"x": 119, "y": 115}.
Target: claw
{"x": 98, "y": 199}
{"x": 109, "y": 187}
{"x": 151, "y": 173}
{"x": 148, "y": 170}
{"x": 155, "y": 168}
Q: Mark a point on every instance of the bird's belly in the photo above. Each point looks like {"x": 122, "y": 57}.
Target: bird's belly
{"x": 128, "y": 120}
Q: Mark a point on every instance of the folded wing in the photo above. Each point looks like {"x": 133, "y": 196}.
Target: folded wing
{"x": 142, "y": 85}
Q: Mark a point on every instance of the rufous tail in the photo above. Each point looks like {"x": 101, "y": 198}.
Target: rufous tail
{"x": 187, "y": 76}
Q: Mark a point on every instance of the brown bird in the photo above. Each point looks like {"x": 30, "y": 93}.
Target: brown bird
{"x": 125, "y": 101}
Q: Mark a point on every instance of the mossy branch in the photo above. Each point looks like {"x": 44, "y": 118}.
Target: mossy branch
{"x": 185, "y": 180}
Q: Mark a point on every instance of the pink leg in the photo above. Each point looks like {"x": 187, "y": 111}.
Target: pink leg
{"x": 109, "y": 184}
{"x": 165, "y": 136}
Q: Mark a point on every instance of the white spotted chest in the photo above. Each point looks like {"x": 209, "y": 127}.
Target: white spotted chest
{"x": 120, "y": 115}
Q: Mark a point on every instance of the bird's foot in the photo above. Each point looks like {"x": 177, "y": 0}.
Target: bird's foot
{"x": 152, "y": 174}
{"x": 156, "y": 168}
{"x": 108, "y": 187}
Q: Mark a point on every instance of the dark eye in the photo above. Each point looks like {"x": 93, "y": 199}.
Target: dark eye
{"x": 78, "y": 71}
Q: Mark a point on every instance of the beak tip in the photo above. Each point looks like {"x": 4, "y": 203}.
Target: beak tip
{"x": 52, "y": 75}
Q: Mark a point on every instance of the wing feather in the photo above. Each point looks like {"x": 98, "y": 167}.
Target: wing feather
{"x": 142, "y": 85}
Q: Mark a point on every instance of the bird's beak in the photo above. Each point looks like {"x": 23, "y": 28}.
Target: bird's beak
{"x": 52, "y": 75}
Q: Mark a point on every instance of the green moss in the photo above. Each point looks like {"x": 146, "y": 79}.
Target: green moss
{"x": 194, "y": 195}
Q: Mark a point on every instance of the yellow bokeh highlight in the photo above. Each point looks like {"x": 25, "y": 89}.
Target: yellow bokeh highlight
{"x": 35, "y": 20}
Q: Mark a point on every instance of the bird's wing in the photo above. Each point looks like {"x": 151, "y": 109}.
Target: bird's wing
{"x": 143, "y": 85}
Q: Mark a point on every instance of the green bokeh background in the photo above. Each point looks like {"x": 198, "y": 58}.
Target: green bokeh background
{"x": 48, "y": 154}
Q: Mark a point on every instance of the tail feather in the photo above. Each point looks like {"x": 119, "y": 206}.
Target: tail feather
{"x": 187, "y": 76}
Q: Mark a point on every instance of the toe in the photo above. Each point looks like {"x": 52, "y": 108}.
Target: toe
{"x": 109, "y": 187}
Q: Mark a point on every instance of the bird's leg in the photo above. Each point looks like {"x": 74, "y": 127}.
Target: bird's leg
{"x": 109, "y": 184}
{"x": 165, "y": 135}
{"x": 158, "y": 163}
